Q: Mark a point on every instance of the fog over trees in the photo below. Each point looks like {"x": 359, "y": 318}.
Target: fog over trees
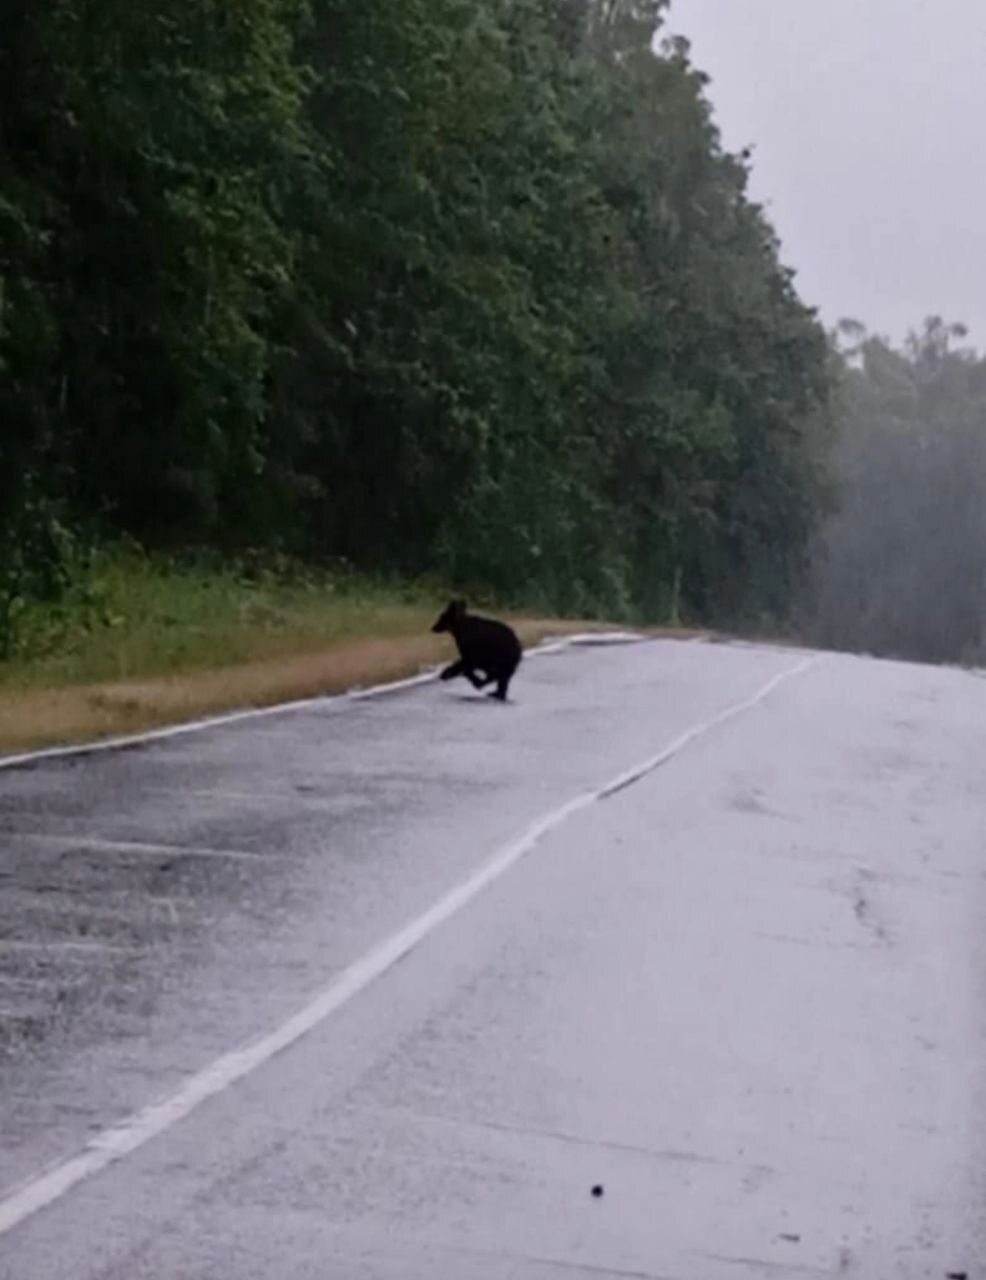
{"x": 900, "y": 564}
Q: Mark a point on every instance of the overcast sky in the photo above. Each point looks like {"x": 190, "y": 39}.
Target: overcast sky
{"x": 868, "y": 119}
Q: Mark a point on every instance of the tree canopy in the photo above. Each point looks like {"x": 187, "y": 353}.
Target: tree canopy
{"x": 448, "y": 287}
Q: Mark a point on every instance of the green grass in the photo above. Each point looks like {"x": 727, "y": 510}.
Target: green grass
{"x": 138, "y": 616}
{"x": 143, "y": 641}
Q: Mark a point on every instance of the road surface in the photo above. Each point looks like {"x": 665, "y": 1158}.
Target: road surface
{"x": 672, "y": 969}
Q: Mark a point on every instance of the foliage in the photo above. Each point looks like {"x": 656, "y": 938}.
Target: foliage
{"x": 438, "y": 286}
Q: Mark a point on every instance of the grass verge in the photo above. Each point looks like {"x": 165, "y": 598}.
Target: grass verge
{"x": 156, "y": 643}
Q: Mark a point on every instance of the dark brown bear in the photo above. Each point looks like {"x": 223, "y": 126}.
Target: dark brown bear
{"x": 485, "y": 646}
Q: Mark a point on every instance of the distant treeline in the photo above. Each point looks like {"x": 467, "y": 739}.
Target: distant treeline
{"x": 465, "y": 288}
{"x": 901, "y": 564}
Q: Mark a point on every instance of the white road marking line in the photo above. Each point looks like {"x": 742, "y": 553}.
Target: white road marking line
{"x": 306, "y": 794}
{"x": 648, "y": 766}
{"x": 97, "y": 949}
{"x": 196, "y": 726}
{"x": 75, "y": 842}
{"x": 326, "y": 701}
{"x": 122, "y": 1139}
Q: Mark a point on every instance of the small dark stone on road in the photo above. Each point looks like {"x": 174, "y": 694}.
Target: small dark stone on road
{"x": 790, "y": 1237}
{"x": 956, "y": 1275}
{"x": 597, "y": 1191}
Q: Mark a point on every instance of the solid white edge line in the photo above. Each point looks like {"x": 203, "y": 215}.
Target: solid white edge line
{"x": 122, "y": 1139}
{"x": 139, "y": 848}
{"x": 328, "y": 701}
{"x": 654, "y": 762}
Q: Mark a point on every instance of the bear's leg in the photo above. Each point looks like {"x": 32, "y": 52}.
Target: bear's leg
{"x": 502, "y": 684}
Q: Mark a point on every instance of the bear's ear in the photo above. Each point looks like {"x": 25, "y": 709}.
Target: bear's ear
{"x": 459, "y": 606}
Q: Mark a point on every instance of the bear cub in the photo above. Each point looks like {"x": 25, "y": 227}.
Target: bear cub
{"x": 485, "y": 646}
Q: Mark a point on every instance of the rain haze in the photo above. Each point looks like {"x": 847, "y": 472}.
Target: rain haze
{"x": 866, "y": 121}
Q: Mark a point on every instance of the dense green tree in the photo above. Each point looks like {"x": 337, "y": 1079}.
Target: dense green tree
{"x": 150, "y": 143}
{"x": 432, "y": 285}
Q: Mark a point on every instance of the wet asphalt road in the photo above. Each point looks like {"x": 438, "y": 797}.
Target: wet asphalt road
{"x": 744, "y": 995}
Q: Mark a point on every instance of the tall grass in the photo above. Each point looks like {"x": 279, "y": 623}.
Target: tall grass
{"x": 132, "y": 615}
{"x": 137, "y": 642}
